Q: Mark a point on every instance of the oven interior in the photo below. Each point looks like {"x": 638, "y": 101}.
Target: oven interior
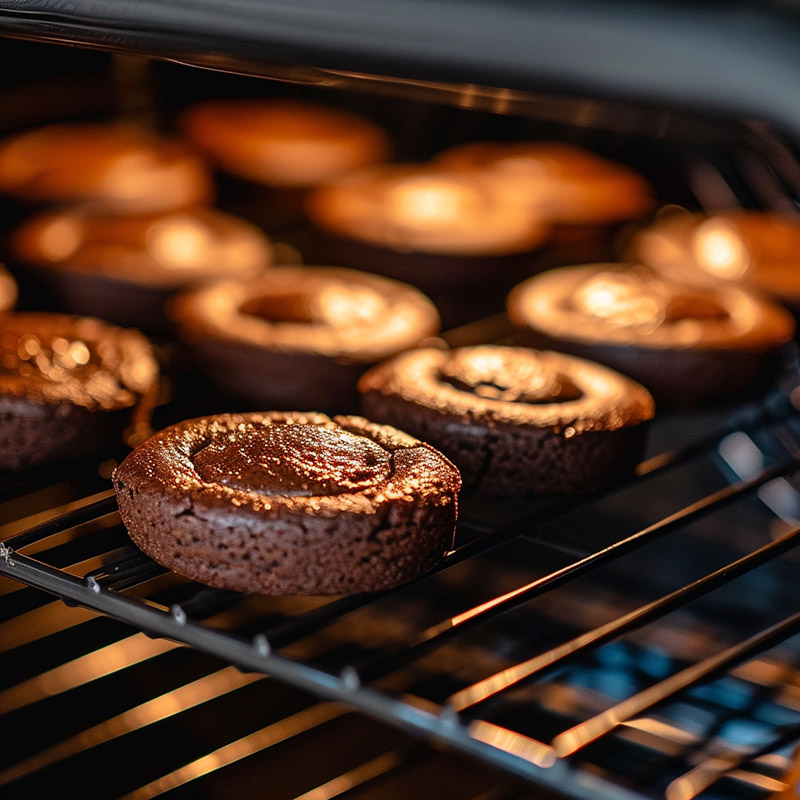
{"x": 637, "y": 642}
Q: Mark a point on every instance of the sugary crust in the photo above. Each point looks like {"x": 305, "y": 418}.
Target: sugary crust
{"x": 118, "y": 166}
{"x": 69, "y": 386}
{"x": 585, "y": 429}
{"x": 355, "y": 527}
{"x": 284, "y": 143}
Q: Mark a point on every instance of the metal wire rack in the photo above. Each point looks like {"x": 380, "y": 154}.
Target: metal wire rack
{"x": 636, "y": 642}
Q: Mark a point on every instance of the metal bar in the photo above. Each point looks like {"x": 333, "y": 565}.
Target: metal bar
{"x": 157, "y": 709}
{"x": 90, "y": 508}
{"x": 472, "y": 696}
{"x": 438, "y": 634}
{"x": 573, "y": 739}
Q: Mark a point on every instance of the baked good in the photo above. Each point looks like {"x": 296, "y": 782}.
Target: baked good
{"x": 300, "y": 336}
{"x": 685, "y": 343}
{"x": 283, "y": 142}
{"x": 289, "y": 503}
{"x": 515, "y": 421}
{"x": 561, "y": 182}
{"x": 123, "y": 267}
{"x": 756, "y": 248}
{"x": 122, "y": 167}
{"x": 438, "y": 228}
{"x": 70, "y": 386}
{"x": 270, "y": 151}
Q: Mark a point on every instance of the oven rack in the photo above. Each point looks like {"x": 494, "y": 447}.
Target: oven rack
{"x": 552, "y": 646}
{"x": 299, "y": 648}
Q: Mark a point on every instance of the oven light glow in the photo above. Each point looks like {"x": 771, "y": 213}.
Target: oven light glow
{"x": 720, "y": 251}
{"x": 427, "y": 201}
{"x": 618, "y": 300}
{"x": 178, "y": 242}
{"x": 61, "y": 238}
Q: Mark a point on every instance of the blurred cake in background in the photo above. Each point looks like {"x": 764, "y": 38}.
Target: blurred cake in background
{"x": 118, "y": 167}
{"x": 299, "y": 337}
{"x": 685, "y": 343}
{"x": 123, "y": 267}
{"x": 760, "y": 249}
{"x": 441, "y": 229}
{"x": 279, "y": 149}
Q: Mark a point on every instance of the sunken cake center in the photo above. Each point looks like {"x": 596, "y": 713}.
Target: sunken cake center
{"x": 293, "y": 461}
{"x": 496, "y": 376}
{"x": 639, "y": 298}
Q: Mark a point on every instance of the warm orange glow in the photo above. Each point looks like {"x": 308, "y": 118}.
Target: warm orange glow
{"x": 431, "y": 201}
{"x": 179, "y": 242}
{"x": 344, "y": 306}
{"x": 521, "y": 746}
{"x": 720, "y": 251}
{"x": 619, "y": 299}
{"x": 61, "y": 238}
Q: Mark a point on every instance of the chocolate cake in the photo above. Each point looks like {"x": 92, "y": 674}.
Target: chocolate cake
{"x": 122, "y": 167}
{"x": 756, "y": 249}
{"x": 270, "y": 151}
{"x": 563, "y": 183}
{"x": 515, "y": 421}
{"x": 437, "y": 228}
{"x": 300, "y": 336}
{"x": 685, "y": 343}
{"x": 289, "y": 503}
{"x": 124, "y": 267}
{"x": 70, "y": 386}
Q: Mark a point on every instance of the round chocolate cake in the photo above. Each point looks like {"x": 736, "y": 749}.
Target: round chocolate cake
{"x": 281, "y": 142}
{"x": 514, "y": 421}
{"x": 757, "y": 249}
{"x": 685, "y": 343}
{"x": 300, "y": 336}
{"x": 437, "y": 228}
{"x": 124, "y": 167}
{"x": 124, "y": 267}
{"x": 70, "y": 386}
{"x": 289, "y": 503}
{"x": 561, "y": 182}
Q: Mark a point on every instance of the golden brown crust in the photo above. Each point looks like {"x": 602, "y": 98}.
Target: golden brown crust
{"x": 757, "y": 248}
{"x": 329, "y": 311}
{"x": 513, "y": 386}
{"x": 625, "y": 304}
{"x": 684, "y": 343}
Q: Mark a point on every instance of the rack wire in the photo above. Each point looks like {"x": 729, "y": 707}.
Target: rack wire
{"x": 635, "y": 642}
